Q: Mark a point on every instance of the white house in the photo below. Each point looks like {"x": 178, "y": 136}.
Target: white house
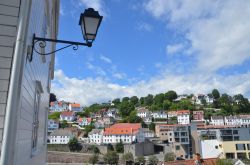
{"x": 159, "y": 114}
{"x": 69, "y": 116}
{"x": 75, "y": 107}
{"x": 96, "y": 136}
{"x": 245, "y": 119}
{"x": 233, "y": 120}
{"x": 217, "y": 120}
{"x": 200, "y": 97}
{"x": 83, "y": 121}
{"x": 125, "y": 132}
{"x": 25, "y": 83}
{"x": 183, "y": 116}
{"x": 60, "y": 136}
{"x": 58, "y": 106}
{"x": 112, "y": 113}
{"x": 52, "y": 125}
{"x": 148, "y": 133}
{"x": 210, "y": 148}
{"x": 143, "y": 112}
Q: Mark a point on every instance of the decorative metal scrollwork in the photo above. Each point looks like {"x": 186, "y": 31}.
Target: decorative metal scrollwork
{"x": 42, "y": 43}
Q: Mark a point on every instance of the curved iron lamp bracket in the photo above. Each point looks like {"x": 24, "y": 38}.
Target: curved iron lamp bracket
{"x": 42, "y": 43}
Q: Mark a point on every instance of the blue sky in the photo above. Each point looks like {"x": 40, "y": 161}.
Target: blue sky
{"x": 152, "y": 46}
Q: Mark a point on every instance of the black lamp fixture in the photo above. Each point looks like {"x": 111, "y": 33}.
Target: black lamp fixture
{"x": 89, "y": 21}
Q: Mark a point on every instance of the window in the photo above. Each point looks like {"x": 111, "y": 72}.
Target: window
{"x": 248, "y": 146}
{"x": 216, "y": 147}
{"x": 235, "y": 131}
{"x": 240, "y": 146}
{"x": 35, "y": 124}
{"x": 177, "y": 147}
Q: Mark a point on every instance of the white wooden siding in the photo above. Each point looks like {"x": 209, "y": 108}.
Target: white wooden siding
{"x": 9, "y": 10}
{"x": 37, "y": 70}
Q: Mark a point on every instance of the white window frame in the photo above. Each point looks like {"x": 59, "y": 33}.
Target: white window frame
{"x": 35, "y": 124}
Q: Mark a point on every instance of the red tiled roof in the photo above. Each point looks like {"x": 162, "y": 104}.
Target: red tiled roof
{"x": 88, "y": 119}
{"x": 75, "y": 105}
{"x": 180, "y": 112}
{"x": 123, "y": 128}
{"x": 211, "y": 161}
{"x": 67, "y": 113}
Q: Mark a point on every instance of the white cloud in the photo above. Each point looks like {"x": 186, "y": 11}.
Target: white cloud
{"x": 89, "y": 90}
{"x": 98, "y": 5}
{"x": 144, "y": 26}
{"x": 119, "y": 75}
{"x": 105, "y": 59}
{"x": 218, "y": 31}
{"x": 173, "y": 49}
{"x": 98, "y": 70}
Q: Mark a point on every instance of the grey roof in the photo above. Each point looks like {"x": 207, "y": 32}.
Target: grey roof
{"x": 217, "y": 117}
{"x": 61, "y": 132}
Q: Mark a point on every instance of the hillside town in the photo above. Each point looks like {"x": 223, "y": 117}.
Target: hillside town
{"x": 161, "y": 136}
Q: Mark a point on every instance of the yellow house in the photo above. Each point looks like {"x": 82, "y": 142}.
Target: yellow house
{"x": 235, "y": 149}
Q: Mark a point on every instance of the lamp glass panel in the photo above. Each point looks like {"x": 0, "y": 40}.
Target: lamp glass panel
{"x": 91, "y": 25}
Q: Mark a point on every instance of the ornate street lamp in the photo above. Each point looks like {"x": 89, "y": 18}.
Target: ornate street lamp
{"x": 90, "y": 21}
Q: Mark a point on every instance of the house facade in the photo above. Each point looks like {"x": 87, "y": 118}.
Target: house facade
{"x": 198, "y": 115}
{"x": 52, "y": 125}
{"x": 96, "y": 136}
{"x": 75, "y": 107}
{"x": 58, "y": 106}
{"x": 25, "y": 84}
{"x": 159, "y": 115}
{"x": 83, "y": 121}
{"x": 60, "y": 136}
{"x": 217, "y": 120}
{"x": 183, "y": 116}
{"x": 69, "y": 116}
{"x": 125, "y": 132}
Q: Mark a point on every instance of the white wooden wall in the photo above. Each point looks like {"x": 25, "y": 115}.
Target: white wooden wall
{"x": 37, "y": 70}
{"x": 9, "y": 10}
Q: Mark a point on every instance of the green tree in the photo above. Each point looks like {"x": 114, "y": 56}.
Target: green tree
{"x": 119, "y": 147}
{"x": 125, "y": 99}
{"x": 224, "y": 162}
{"x": 171, "y": 95}
{"x": 140, "y": 160}
{"x": 151, "y": 126}
{"x": 110, "y": 147}
{"x": 134, "y": 100}
{"x": 73, "y": 144}
{"x": 94, "y": 159}
{"x": 88, "y": 129}
{"x": 149, "y": 99}
{"x": 173, "y": 120}
{"x": 142, "y": 102}
{"x": 64, "y": 124}
{"x": 127, "y": 157}
{"x": 153, "y": 160}
{"x": 166, "y": 104}
{"x": 116, "y": 101}
{"x": 94, "y": 149}
{"x": 155, "y": 107}
{"x": 111, "y": 157}
{"x": 133, "y": 118}
{"x": 169, "y": 157}
{"x": 54, "y": 115}
{"x": 216, "y": 94}
{"x": 126, "y": 108}
{"x": 159, "y": 98}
